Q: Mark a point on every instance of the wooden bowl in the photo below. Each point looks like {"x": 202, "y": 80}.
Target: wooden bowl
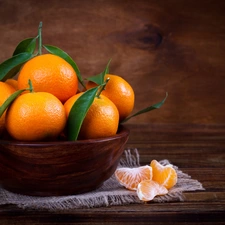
{"x": 59, "y": 168}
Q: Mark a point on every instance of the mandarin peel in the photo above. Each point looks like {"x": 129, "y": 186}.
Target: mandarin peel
{"x": 120, "y": 92}
{"x": 101, "y": 120}
{"x": 6, "y": 91}
{"x": 49, "y": 73}
{"x": 23, "y": 117}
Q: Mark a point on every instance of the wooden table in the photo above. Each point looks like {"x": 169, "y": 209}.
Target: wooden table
{"x": 198, "y": 150}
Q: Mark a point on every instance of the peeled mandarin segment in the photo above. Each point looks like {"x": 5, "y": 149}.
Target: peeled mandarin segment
{"x": 164, "y": 175}
{"x": 148, "y": 189}
{"x": 131, "y": 177}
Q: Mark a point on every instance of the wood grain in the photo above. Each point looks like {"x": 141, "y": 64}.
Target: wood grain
{"x": 158, "y": 46}
{"x": 202, "y": 156}
{"x": 60, "y": 167}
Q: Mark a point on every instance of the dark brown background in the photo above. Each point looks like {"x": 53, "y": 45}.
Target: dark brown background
{"x": 159, "y": 46}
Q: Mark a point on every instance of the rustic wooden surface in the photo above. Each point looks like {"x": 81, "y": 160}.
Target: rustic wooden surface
{"x": 159, "y": 46}
{"x": 174, "y": 46}
{"x": 196, "y": 150}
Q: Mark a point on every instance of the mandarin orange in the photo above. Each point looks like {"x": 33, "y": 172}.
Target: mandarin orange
{"x": 49, "y": 73}
{"x": 12, "y": 82}
{"x": 120, "y": 92}
{"x": 101, "y": 120}
{"x": 5, "y": 91}
{"x": 35, "y": 116}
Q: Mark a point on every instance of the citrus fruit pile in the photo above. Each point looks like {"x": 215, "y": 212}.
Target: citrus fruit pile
{"x": 41, "y": 112}
{"x": 41, "y": 99}
{"x": 148, "y": 181}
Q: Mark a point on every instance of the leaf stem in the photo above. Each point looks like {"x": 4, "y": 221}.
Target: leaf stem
{"x": 40, "y": 39}
{"x": 102, "y": 87}
{"x": 150, "y": 108}
{"x": 9, "y": 100}
{"x": 31, "y": 89}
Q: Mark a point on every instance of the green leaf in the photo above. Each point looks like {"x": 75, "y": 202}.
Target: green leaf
{"x": 27, "y": 45}
{"x": 150, "y": 108}
{"x": 9, "y": 100}
{"x": 79, "y": 111}
{"x": 99, "y": 79}
{"x": 11, "y": 66}
{"x": 57, "y": 51}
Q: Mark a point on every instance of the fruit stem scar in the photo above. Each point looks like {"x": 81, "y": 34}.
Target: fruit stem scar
{"x": 39, "y": 39}
{"x": 102, "y": 87}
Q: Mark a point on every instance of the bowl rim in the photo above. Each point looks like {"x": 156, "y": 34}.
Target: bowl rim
{"x": 122, "y": 132}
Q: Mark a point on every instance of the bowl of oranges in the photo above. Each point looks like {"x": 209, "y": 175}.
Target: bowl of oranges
{"x": 59, "y": 134}
{"x": 41, "y": 152}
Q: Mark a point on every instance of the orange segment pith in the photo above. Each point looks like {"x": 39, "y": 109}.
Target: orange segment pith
{"x": 131, "y": 177}
{"x": 164, "y": 175}
{"x": 148, "y": 189}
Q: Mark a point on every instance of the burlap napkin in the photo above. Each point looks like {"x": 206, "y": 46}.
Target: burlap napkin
{"x": 110, "y": 193}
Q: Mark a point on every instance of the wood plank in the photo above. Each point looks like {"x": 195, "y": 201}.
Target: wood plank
{"x": 173, "y": 46}
{"x": 145, "y": 214}
{"x": 203, "y": 159}
{"x": 146, "y": 132}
